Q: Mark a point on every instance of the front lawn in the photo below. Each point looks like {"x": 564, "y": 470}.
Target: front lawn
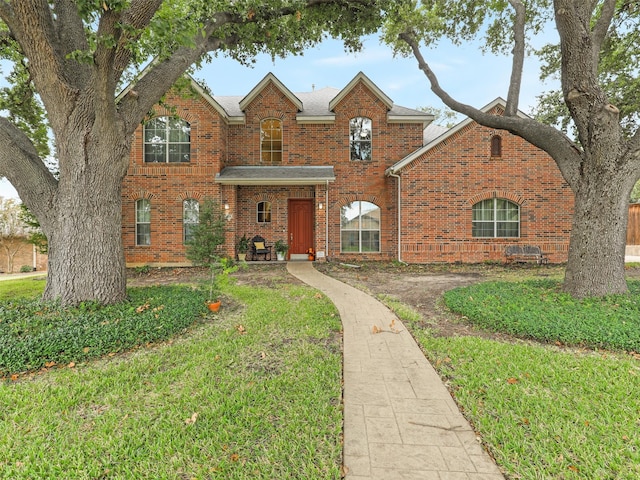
{"x": 545, "y": 410}
{"x": 250, "y": 393}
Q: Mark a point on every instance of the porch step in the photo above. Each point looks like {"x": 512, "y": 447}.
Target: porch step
{"x": 297, "y": 257}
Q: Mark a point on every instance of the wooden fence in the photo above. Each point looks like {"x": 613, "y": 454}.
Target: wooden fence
{"x": 633, "y": 228}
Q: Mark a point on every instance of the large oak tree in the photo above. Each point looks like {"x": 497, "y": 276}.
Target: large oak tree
{"x": 603, "y": 163}
{"x": 77, "y": 54}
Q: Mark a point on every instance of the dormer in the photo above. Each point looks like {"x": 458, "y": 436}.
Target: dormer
{"x": 270, "y": 78}
{"x": 395, "y": 113}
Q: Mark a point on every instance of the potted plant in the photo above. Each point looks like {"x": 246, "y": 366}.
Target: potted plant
{"x": 281, "y": 247}
{"x": 242, "y": 247}
{"x": 204, "y": 247}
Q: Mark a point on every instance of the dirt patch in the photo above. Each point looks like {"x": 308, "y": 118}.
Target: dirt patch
{"x": 420, "y": 286}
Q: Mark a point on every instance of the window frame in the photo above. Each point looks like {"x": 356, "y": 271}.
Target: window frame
{"x": 373, "y": 234}
{"x": 270, "y": 152}
{"x": 139, "y": 223}
{"x": 496, "y": 146}
{"x": 173, "y": 126}
{"x": 188, "y": 224}
{"x": 497, "y": 224}
{"x": 355, "y": 129}
{"x": 265, "y": 212}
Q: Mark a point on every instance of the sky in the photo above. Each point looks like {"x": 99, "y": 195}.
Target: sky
{"x": 463, "y": 71}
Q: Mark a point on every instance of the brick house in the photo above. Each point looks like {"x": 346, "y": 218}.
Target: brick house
{"x": 25, "y": 257}
{"x": 343, "y": 171}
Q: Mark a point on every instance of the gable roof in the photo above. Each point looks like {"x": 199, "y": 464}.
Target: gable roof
{"x": 270, "y": 77}
{"x": 434, "y": 137}
{"x": 361, "y": 77}
{"x": 313, "y": 107}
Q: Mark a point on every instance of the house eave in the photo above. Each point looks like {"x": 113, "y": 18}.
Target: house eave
{"x": 315, "y": 119}
{"x": 423, "y": 119}
{"x": 269, "y": 175}
{"x": 399, "y": 166}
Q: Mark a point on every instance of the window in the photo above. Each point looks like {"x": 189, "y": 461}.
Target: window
{"x": 496, "y": 217}
{"x": 167, "y": 140}
{"x": 360, "y": 228}
{"x": 360, "y": 138}
{"x": 264, "y": 212}
{"x": 190, "y": 218}
{"x": 271, "y": 141}
{"x": 496, "y": 146}
{"x": 143, "y": 222}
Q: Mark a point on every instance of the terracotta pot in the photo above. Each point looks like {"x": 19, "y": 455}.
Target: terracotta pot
{"x": 214, "y": 306}
{"x": 312, "y": 258}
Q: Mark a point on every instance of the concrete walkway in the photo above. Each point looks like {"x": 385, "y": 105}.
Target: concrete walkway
{"x": 400, "y": 421}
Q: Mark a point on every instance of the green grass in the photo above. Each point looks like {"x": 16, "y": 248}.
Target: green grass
{"x": 537, "y": 309}
{"x": 545, "y": 413}
{"x": 21, "y": 288}
{"x": 252, "y": 393}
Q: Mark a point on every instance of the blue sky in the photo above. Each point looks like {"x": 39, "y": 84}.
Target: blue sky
{"x": 463, "y": 71}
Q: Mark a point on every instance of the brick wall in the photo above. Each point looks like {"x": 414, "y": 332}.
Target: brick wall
{"x": 328, "y": 144}
{"x": 166, "y": 185}
{"x": 440, "y": 188}
{"x": 27, "y": 256}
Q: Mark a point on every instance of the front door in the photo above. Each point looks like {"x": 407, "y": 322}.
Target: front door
{"x": 300, "y": 225}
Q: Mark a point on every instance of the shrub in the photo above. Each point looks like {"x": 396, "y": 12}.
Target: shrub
{"x": 33, "y": 334}
{"x": 538, "y": 310}
{"x": 26, "y": 268}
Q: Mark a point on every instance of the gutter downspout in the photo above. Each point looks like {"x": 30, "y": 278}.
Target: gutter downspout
{"x": 326, "y": 223}
{"x": 395, "y": 175}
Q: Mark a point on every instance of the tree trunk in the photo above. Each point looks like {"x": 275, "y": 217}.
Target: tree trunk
{"x": 86, "y": 254}
{"x": 598, "y": 238}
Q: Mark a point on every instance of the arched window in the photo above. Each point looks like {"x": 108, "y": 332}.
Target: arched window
{"x": 143, "y": 222}
{"x": 496, "y": 217}
{"x": 271, "y": 140}
{"x": 264, "y": 212}
{"x": 360, "y": 130}
{"x": 496, "y": 146}
{"x": 190, "y": 218}
{"x": 360, "y": 228}
{"x": 167, "y": 140}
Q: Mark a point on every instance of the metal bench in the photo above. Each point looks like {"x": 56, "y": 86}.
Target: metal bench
{"x": 523, "y": 253}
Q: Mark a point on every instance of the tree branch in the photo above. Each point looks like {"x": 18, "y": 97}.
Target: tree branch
{"x": 137, "y": 17}
{"x": 565, "y": 152}
{"x": 513, "y": 96}
{"x": 602, "y": 27}
{"x": 20, "y": 163}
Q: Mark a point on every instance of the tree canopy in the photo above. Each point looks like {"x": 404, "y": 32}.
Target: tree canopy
{"x": 602, "y": 162}
{"x": 71, "y": 60}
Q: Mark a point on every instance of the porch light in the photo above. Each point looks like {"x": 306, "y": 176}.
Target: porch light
{"x": 320, "y": 205}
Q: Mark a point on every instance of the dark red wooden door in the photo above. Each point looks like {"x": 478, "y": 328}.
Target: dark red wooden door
{"x": 300, "y": 225}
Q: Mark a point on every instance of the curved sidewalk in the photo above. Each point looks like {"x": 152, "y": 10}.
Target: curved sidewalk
{"x": 400, "y": 421}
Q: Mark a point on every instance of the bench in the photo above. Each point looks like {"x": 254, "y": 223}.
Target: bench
{"x": 522, "y": 253}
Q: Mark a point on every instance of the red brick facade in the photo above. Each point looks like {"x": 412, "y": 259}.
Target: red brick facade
{"x": 439, "y": 183}
{"x": 26, "y": 256}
